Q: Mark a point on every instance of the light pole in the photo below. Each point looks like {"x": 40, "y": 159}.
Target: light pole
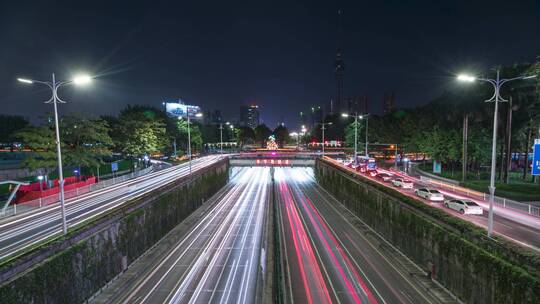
{"x": 189, "y": 136}
{"x": 54, "y": 85}
{"x": 323, "y": 127}
{"x": 356, "y": 117}
{"x": 294, "y": 134}
{"x": 221, "y": 136}
{"x": 303, "y": 132}
{"x": 367, "y": 119}
{"x": 497, "y": 84}
{"x": 40, "y": 179}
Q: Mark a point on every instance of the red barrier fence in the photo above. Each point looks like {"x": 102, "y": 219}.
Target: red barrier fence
{"x": 32, "y": 191}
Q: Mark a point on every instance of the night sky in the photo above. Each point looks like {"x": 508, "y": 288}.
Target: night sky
{"x": 280, "y": 55}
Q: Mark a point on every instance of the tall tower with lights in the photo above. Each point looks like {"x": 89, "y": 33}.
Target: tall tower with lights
{"x": 339, "y": 71}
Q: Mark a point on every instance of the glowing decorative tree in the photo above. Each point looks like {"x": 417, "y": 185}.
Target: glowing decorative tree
{"x": 271, "y": 143}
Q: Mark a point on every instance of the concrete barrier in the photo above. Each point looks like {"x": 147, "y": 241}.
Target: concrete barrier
{"x": 72, "y": 268}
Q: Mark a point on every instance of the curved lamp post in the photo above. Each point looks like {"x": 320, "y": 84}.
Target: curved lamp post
{"x": 54, "y": 85}
{"x": 497, "y": 84}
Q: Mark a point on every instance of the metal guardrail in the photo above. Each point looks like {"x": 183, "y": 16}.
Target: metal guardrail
{"x": 53, "y": 199}
{"x": 500, "y": 201}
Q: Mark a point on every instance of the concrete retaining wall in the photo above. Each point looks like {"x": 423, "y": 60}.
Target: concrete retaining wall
{"x": 73, "y": 268}
{"x": 475, "y": 269}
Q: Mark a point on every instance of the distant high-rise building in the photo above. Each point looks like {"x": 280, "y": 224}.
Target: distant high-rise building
{"x": 389, "y": 103}
{"x": 357, "y": 104}
{"x": 213, "y": 117}
{"x": 249, "y": 116}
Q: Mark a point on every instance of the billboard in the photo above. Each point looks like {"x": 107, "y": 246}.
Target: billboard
{"x": 181, "y": 110}
{"x": 536, "y": 159}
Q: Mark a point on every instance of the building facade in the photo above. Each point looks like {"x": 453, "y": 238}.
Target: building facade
{"x": 249, "y": 116}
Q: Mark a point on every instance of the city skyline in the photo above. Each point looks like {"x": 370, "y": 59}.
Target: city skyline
{"x": 151, "y": 55}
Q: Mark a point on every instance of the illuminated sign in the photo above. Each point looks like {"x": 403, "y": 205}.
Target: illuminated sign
{"x": 536, "y": 159}
{"x": 181, "y": 110}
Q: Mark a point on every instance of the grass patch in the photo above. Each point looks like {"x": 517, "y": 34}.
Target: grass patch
{"x": 517, "y": 189}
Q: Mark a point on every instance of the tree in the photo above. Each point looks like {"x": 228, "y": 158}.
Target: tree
{"x": 195, "y": 134}
{"x": 211, "y": 134}
{"x": 349, "y": 133}
{"x": 282, "y": 135}
{"x": 245, "y": 134}
{"x": 86, "y": 141}
{"x": 9, "y": 125}
{"x": 42, "y": 142}
{"x": 261, "y": 134}
{"x": 142, "y": 131}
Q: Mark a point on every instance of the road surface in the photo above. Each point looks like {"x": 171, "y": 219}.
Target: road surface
{"x": 329, "y": 259}
{"x": 220, "y": 259}
{"x": 24, "y": 230}
{"x": 513, "y": 225}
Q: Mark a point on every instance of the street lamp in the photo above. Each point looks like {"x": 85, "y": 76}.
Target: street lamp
{"x": 295, "y": 134}
{"x": 221, "y": 136}
{"x": 189, "y": 137}
{"x": 40, "y": 179}
{"x": 54, "y": 85}
{"x": 356, "y": 117}
{"x": 323, "y": 127}
{"x": 497, "y": 84}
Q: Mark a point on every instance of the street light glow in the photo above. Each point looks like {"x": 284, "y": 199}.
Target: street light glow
{"x": 529, "y": 77}
{"x": 344, "y": 115}
{"x": 25, "y": 80}
{"x": 82, "y": 79}
{"x": 465, "y": 77}
{"x": 198, "y": 115}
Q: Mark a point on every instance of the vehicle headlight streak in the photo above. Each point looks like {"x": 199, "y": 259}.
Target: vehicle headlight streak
{"x": 303, "y": 249}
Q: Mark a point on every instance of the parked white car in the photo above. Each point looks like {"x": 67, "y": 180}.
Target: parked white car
{"x": 403, "y": 183}
{"x": 464, "y": 206}
{"x": 430, "y": 194}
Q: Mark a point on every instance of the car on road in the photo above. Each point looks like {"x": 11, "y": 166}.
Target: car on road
{"x": 385, "y": 177}
{"x": 464, "y": 206}
{"x": 430, "y": 194}
{"x": 372, "y": 173}
{"x": 403, "y": 183}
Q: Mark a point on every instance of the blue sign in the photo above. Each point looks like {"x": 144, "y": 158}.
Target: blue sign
{"x": 536, "y": 159}
{"x": 114, "y": 167}
{"x": 436, "y": 166}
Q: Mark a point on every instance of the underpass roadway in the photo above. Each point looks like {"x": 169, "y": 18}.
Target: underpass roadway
{"x": 330, "y": 256}
{"x": 217, "y": 255}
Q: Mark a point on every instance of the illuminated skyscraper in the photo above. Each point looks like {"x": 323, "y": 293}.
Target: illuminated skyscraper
{"x": 249, "y": 116}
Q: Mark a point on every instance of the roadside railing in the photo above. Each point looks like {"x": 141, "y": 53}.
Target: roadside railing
{"x": 53, "y": 199}
{"x": 500, "y": 201}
